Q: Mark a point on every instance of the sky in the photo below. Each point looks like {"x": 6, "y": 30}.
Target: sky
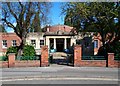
{"x": 54, "y": 15}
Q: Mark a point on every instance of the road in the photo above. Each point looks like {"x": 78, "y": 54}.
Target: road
{"x": 60, "y": 75}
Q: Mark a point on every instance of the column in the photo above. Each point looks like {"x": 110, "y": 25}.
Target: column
{"x": 48, "y": 42}
{"x": 65, "y": 44}
{"x": 54, "y": 43}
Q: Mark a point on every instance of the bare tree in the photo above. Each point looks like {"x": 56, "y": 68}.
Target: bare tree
{"x": 23, "y": 14}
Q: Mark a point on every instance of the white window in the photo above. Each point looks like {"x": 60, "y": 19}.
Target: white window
{"x": 4, "y": 43}
{"x": 41, "y": 43}
{"x": 14, "y": 43}
{"x": 33, "y": 42}
{"x": 95, "y": 43}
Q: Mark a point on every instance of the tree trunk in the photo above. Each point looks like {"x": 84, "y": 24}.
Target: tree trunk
{"x": 20, "y": 48}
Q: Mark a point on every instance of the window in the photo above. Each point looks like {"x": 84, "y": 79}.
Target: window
{"x": 41, "y": 43}
{"x": 14, "y": 43}
{"x": 4, "y": 43}
{"x": 95, "y": 43}
{"x": 33, "y": 42}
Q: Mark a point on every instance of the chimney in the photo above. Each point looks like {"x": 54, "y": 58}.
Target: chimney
{"x": 48, "y": 29}
{"x": 64, "y": 28}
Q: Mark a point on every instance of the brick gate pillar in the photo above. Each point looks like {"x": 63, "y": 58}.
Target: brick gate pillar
{"x": 11, "y": 60}
{"x": 110, "y": 59}
{"x": 77, "y": 55}
{"x": 44, "y": 56}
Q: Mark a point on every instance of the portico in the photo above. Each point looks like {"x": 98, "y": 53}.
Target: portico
{"x": 59, "y": 37}
{"x": 59, "y": 43}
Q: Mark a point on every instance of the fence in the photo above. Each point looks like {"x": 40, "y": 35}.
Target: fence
{"x": 94, "y": 61}
{"x": 93, "y": 58}
{"x": 78, "y": 61}
{"x": 3, "y": 58}
{"x": 27, "y": 58}
{"x": 27, "y": 61}
{"x": 116, "y": 58}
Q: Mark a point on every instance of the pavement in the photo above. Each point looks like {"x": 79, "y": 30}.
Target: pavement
{"x": 60, "y": 74}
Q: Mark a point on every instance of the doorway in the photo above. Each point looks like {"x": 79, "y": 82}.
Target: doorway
{"x": 60, "y": 44}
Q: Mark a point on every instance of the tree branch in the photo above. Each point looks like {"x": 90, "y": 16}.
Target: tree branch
{"x": 11, "y": 11}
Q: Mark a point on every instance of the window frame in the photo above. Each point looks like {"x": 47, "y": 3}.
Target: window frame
{"x": 14, "y": 43}
{"x": 95, "y": 43}
{"x": 42, "y": 43}
{"x": 33, "y": 43}
{"x": 4, "y": 44}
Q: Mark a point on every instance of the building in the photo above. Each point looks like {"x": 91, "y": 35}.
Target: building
{"x": 57, "y": 38}
{"x": 7, "y": 40}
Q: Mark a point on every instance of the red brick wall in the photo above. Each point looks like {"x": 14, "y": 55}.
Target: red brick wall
{"x": 93, "y": 63}
{"x": 116, "y": 64}
{"x": 34, "y": 63}
{"x": 16, "y": 63}
{"x": 112, "y": 62}
{"x": 3, "y": 64}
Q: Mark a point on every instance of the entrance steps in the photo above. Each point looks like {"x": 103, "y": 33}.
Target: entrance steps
{"x": 59, "y": 55}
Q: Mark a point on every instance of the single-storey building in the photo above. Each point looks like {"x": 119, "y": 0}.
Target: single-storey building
{"x": 58, "y": 38}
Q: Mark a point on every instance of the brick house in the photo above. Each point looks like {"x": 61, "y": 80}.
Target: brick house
{"x": 7, "y": 40}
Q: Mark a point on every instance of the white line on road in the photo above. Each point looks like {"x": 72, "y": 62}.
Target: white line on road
{"x": 96, "y": 79}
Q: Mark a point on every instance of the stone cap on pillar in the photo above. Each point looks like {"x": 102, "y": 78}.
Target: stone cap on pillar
{"x": 111, "y": 53}
{"x": 11, "y": 54}
{"x": 77, "y": 46}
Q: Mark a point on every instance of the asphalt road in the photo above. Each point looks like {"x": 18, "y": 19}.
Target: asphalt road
{"x": 60, "y": 75}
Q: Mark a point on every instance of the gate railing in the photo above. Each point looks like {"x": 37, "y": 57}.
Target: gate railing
{"x": 117, "y": 58}
{"x": 93, "y": 58}
{"x": 3, "y": 58}
{"x": 27, "y": 58}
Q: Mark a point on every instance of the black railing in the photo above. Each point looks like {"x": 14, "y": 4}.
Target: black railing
{"x": 117, "y": 58}
{"x": 27, "y": 58}
{"x": 93, "y": 58}
{"x": 3, "y": 58}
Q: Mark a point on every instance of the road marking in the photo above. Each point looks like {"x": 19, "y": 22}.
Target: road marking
{"x": 97, "y": 79}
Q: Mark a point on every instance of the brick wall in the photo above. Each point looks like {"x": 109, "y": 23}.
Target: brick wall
{"x": 93, "y": 63}
{"x": 112, "y": 62}
{"x": 16, "y": 63}
{"x": 3, "y": 64}
{"x": 30, "y": 63}
{"x": 34, "y": 63}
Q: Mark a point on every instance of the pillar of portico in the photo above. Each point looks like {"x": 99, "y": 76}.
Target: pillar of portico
{"x": 48, "y": 42}
{"x": 54, "y": 43}
{"x": 65, "y": 43}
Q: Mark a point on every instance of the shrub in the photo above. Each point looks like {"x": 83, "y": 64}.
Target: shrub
{"x": 29, "y": 50}
{"x": 3, "y": 58}
{"x": 11, "y": 50}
